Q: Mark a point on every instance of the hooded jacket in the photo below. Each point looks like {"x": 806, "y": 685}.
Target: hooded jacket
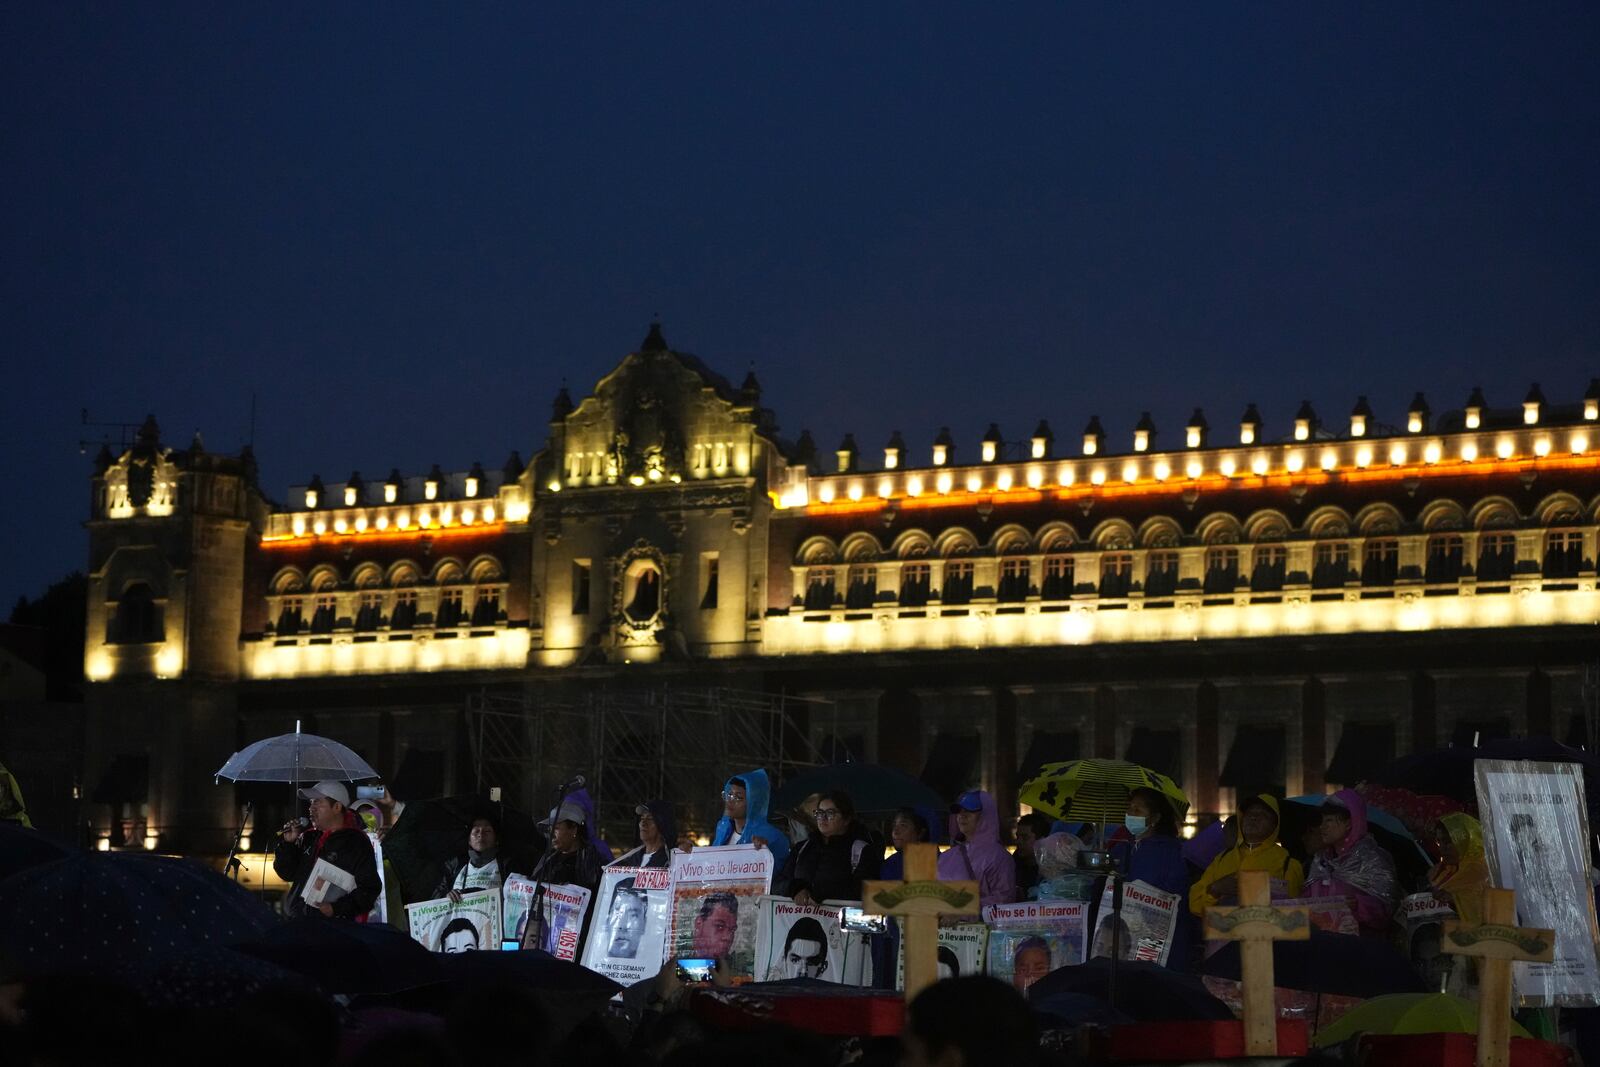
{"x": 982, "y": 858}
{"x": 661, "y": 811}
{"x": 581, "y": 798}
{"x": 1269, "y": 856}
{"x": 894, "y": 867}
{"x": 758, "y": 794}
{"x": 1464, "y": 880}
{"x": 1358, "y": 869}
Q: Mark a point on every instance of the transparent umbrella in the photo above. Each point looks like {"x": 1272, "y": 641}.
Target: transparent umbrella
{"x": 296, "y": 758}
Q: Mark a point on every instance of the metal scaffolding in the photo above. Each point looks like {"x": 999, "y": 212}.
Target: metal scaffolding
{"x": 639, "y": 744}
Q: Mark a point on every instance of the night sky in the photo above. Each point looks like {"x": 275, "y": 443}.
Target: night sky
{"x": 402, "y": 228}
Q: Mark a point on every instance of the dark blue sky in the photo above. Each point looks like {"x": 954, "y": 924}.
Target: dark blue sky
{"x": 403, "y": 227}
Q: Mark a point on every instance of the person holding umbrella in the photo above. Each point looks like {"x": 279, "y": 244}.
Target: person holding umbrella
{"x": 1155, "y": 857}
{"x": 335, "y": 835}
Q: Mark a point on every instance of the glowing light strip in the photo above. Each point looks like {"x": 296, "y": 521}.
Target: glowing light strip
{"x": 414, "y": 534}
{"x": 1207, "y": 482}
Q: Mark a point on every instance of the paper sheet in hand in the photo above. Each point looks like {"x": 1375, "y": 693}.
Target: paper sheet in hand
{"x": 326, "y": 884}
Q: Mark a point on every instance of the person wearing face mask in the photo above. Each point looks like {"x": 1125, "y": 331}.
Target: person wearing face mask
{"x": 1257, "y": 849}
{"x": 976, "y": 853}
{"x": 1155, "y": 857}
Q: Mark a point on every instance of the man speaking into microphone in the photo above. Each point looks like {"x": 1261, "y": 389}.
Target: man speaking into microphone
{"x": 335, "y": 835}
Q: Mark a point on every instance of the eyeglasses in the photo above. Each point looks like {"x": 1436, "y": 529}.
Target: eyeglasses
{"x": 731, "y": 796}
{"x": 825, "y": 813}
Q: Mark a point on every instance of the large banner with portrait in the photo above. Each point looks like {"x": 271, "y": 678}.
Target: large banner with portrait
{"x": 467, "y": 925}
{"x": 1536, "y": 832}
{"x": 1144, "y": 929}
{"x": 628, "y": 937}
{"x": 716, "y": 894}
{"x": 808, "y": 941}
{"x": 961, "y": 949}
{"x": 1029, "y": 940}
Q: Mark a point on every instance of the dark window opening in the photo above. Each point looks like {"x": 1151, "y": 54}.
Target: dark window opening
{"x": 1446, "y": 558}
{"x": 291, "y": 617}
{"x": 957, "y": 582}
{"x": 1116, "y": 573}
{"x": 326, "y": 613}
{"x": 486, "y": 609}
{"x": 1364, "y": 749}
{"x": 952, "y": 764}
{"x": 1222, "y": 570}
{"x": 580, "y": 588}
{"x": 1267, "y": 574}
{"x": 1057, "y": 583}
{"x": 645, "y": 604}
{"x": 1015, "y": 575}
{"x": 1330, "y": 564}
{"x": 915, "y": 584}
{"x": 1160, "y": 750}
{"x": 1255, "y": 761}
{"x": 819, "y": 589}
{"x": 1497, "y": 556}
{"x": 450, "y": 608}
{"x": 863, "y": 587}
{"x": 370, "y": 613}
{"x": 1380, "y": 561}
{"x": 138, "y": 619}
{"x": 1563, "y": 553}
{"x": 405, "y": 611}
{"x": 1161, "y": 577}
{"x": 1047, "y": 747}
{"x": 708, "y": 599}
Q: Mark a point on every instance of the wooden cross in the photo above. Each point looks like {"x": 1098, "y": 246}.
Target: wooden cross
{"x": 918, "y": 902}
{"x": 1256, "y": 924}
{"x": 1497, "y": 942}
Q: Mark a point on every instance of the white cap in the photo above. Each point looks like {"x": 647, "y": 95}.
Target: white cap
{"x": 330, "y": 789}
{"x": 568, "y": 811}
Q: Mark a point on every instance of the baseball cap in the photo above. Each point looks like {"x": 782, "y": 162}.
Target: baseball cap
{"x": 330, "y": 789}
{"x": 642, "y": 810}
{"x": 971, "y": 800}
{"x": 569, "y": 812}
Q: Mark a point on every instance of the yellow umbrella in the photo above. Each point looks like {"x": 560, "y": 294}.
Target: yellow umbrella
{"x": 1408, "y": 1013}
{"x": 1096, "y": 790}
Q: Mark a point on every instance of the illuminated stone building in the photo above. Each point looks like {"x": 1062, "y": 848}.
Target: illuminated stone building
{"x": 1245, "y": 604}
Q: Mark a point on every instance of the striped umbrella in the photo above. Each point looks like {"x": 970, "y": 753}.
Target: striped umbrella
{"x": 1096, "y": 790}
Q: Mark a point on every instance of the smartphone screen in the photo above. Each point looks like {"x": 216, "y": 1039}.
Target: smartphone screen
{"x": 696, "y": 971}
{"x": 858, "y": 920}
{"x": 510, "y": 944}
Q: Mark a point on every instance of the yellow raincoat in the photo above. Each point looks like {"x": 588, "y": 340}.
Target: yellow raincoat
{"x": 1268, "y": 856}
{"x": 1463, "y": 881}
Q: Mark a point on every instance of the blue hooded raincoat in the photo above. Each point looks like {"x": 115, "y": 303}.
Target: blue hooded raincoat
{"x": 758, "y": 793}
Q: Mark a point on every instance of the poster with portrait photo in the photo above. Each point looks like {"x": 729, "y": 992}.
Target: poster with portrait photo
{"x": 716, "y": 897}
{"x": 1029, "y": 940}
{"x": 1149, "y": 917}
{"x": 961, "y": 949}
{"x": 565, "y": 907}
{"x": 808, "y": 941}
{"x": 1422, "y": 916}
{"x": 1536, "y": 841}
{"x": 628, "y": 937}
{"x": 468, "y": 925}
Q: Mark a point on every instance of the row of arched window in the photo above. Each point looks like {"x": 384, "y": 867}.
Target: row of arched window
{"x": 400, "y": 597}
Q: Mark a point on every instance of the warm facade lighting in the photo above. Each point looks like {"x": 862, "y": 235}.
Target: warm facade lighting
{"x": 1002, "y": 481}
{"x": 1474, "y": 418}
{"x": 381, "y": 522}
{"x": 1035, "y": 477}
{"x": 940, "y": 455}
{"x": 1227, "y": 466}
{"x": 1363, "y": 457}
{"x": 468, "y": 515}
{"x": 1162, "y": 470}
{"x": 298, "y": 525}
{"x": 349, "y": 496}
{"x": 854, "y": 492}
{"x": 1194, "y": 468}
{"x": 1579, "y": 443}
{"x": 1469, "y": 451}
{"x": 319, "y": 527}
{"x": 361, "y": 523}
{"x": 1505, "y": 448}
{"x": 390, "y": 493}
{"x": 1258, "y": 465}
{"x": 1330, "y": 459}
{"x": 891, "y": 458}
{"x": 1091, "y": 444}
{"x": 945, "y": 482}
{"x": 974, "y": 483}
{"x": 991, "y": 451}
{"x": 914, "y": 485}
{"x": 339, "y": 525}
{"x": 1098, "y": 476}
{"x": 1294, "y": 462}
{"x": 472, "y": 486}
{"x": 311, "y": 498}
{"x": 886, "y": 488}
{"x": 1541, "y": 447}
{"x": 825, "y": 492}
{"x": 430, "y": 489}
{"x": 1432, "y": 452}
{"x": 554, "y": 485}
{"x": 1397, "y": 454}
{"x": 1130, "y": 472}
{"x": 488, "y": 513}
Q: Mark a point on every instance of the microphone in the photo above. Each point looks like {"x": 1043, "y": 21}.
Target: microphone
{"x": 578, "y": 782}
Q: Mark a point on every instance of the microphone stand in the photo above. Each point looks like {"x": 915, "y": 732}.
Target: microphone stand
{"x": 231, "y": 867}
{"x": 538, "y": 883}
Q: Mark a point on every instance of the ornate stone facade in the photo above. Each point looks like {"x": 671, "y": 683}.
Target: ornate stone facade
{"x": 1260, "y": 612}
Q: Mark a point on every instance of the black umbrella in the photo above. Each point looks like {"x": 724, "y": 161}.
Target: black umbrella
{"x": 347, "y": 957}
{"x": 872, "y": 787}
{"x": 1411, "y": 866}
{"x": 1146, "y": 992}
{"x": 1449, "y": 771}
{"x": 1330, "y": 963}
{"x": 430, "y": 833}
{"x": 121, "y": 914}
{"x": 22, "y": 848}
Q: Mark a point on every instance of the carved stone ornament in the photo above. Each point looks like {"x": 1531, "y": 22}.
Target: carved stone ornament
{"x": 639, "y": 594}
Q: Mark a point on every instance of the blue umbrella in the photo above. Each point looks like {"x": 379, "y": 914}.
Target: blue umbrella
{"x": 121, "y": 914}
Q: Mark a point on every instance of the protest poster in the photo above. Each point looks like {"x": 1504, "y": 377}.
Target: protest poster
{"x": 326, "y": 884}
{"x": 444, "y": 925}
{"x": 564, "y": 909}
{"x": 628, "y": 939}
{"x": 961, "y": 948}
{"x": 516, "y": 902}
{"x": 1029, "y": 940}
{"x": 1149, "y": 917}
{"x": 1536, "y": 832}
{"x": 808, "y": 941}
{"x": 1422, "y": 915}
{"x": 716, "y": 893}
